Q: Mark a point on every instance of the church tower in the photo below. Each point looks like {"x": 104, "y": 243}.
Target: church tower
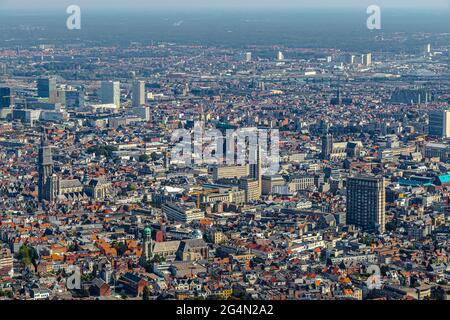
{"x": 45, "y": 168}
{"x": 147, "y": 253}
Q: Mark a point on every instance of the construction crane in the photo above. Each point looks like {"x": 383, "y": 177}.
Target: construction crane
{"x": 200, "y": 193}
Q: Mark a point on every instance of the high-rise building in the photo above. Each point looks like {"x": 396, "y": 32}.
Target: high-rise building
{"x": 110, "y": 93}
{"x": 251, "y": 187}
{"x": 6, "y": 98}
{"x": 255, "y": 167}
{"x": 366, "y": 59}
{"x": 439, "y": 123}
{"x": 248, "y": 57}
{"x": 280, "y": 56}
{"x": 138, "y": 93}
{"x": 350, "y": 59}
{"x": 327, "y": 146}
{"x": 75, "y": 98}
{"x": 61, "y": 97}
{"x": 46, "y": 88}
{"x": 366, "y": 203}
{"x": 45, "y": 168}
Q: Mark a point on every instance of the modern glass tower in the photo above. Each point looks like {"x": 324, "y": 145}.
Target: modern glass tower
{"x": 138, "y": 93}
{"x": 110, "y": 92}
{"x": 46, "y": 88}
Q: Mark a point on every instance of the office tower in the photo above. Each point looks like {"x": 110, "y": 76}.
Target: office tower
{"x": 366, "y": 59}
{"x": 46, "y": 88}
{"x": 439, "y": 123}
{"x": 248, "y": 56}
{"x": 327, "y": 146}
{"x": 280, "y": 56}
{"x": 61, "y": 97}
{"x": 6, "y": 98}
{"x": 251, "y": 187}
{"x": 138, "y": 93}
{"x": 110, "y": 92}
{"x": 428, "y": 49}
{"x": 369, "y": 59}
{"x": 255, "y": 168}
{"x": 366, "y": 203}
{"x": 351, "y": 59}
{"x": 75, "y": 98}
{"x": 45, "y": 168}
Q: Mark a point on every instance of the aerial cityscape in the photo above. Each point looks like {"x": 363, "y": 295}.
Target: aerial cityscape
{"x": 232, "y": 155}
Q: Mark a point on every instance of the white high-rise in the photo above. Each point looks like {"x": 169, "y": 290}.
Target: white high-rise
{"x": 110, "y": 92}
{"x": 280, "y": 56}
{"x": 366, "y": 59}
{"x": 138, "y": 93}
{"x": 351, "y": 59}
{"x": 248, "y": 56}
{"x": 439, "y": 123}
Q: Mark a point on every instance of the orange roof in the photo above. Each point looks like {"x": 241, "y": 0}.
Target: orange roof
{"x": 348, "y": 292}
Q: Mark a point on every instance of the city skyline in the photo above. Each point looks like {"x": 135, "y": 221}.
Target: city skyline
{"x": 264, "y": 155}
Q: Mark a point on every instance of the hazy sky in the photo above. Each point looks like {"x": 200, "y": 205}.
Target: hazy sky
{"x": 32, "y": 4}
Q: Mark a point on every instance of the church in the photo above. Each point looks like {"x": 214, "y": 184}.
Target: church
{"x": 53, "y": 189}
